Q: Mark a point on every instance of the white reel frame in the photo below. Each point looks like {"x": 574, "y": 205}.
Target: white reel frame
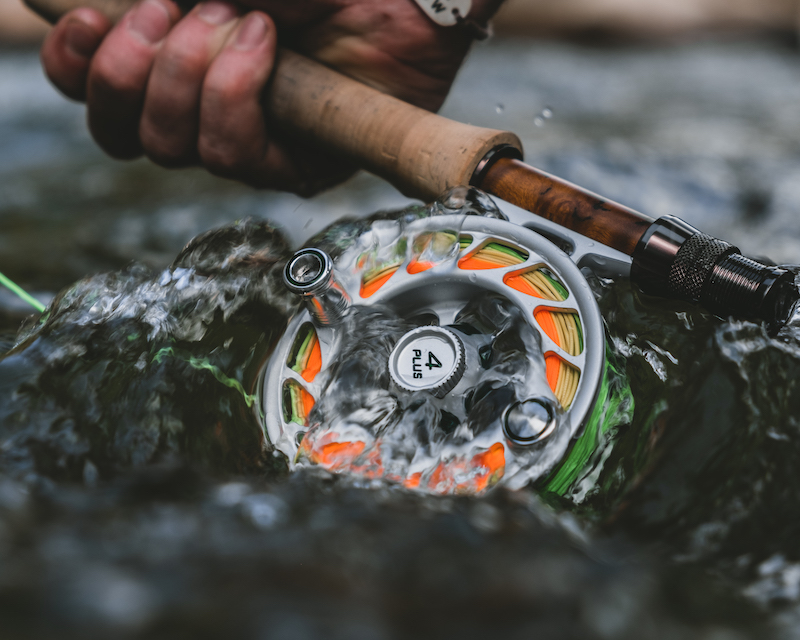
{"x": 444, "y": 290}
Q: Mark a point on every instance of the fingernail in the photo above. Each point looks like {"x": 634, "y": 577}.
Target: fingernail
{"x": 251, "y": 33}
{"x": 150, "y": 21}
{"x": 215, "y": 12}
{"x": 81, "y": 39}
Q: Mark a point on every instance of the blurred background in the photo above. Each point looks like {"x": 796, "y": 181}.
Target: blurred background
{"x": 647, "y": 18}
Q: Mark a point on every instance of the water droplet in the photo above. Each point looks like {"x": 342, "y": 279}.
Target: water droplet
{"x": 472, "y": 277}
{"x": 547, "y": 113}
{"x": 500, "y": 107}
{"x": 538, "y": 121}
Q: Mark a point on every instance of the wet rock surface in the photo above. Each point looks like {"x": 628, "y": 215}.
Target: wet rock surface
{"x": 121, "y": 517}
{"x": 131, "y": 368}
{"x": 169, "y": 554}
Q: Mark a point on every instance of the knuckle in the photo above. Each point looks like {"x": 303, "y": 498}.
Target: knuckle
{"x": 219, "y": 162}
{"x": 227, "y": 89}
{"x": 179, "y": 58}
{"x": 164, "y": 151}
{"x": 222, "y": 160}
{"x": 113, "y": 78}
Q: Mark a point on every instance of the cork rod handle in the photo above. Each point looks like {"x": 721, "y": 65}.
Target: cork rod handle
{"x": 420, "y": 153}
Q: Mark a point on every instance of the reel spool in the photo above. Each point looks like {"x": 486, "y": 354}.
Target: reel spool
{"x": 428, "y": 272}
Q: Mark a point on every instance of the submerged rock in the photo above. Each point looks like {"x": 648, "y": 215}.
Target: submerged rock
{"x": 131, "y": 368}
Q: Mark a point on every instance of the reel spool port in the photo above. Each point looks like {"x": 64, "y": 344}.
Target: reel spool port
{"x": 443, "y": 351}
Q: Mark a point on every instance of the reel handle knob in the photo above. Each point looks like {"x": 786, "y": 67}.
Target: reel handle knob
{"x": 309, "y": 274}
{"x": 435, "y": 348}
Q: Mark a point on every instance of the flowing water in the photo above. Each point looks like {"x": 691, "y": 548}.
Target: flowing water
{"x": 136, "y": 499}
{"x": 454, "y": 443}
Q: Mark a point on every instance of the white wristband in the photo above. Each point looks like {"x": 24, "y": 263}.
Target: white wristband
{"x": 445, "y": 12}
{"x": 449, "y": 13}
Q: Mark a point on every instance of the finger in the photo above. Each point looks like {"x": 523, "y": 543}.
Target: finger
{"x": 68, "y": 49}
{"x": 169, "y": 124}
{"x": 232, "y": 136}
{"x": 234, "y": 140}
{"x": 119, "y": 72}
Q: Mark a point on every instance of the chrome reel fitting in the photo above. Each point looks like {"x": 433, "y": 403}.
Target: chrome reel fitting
{"x": 487, "y": 349}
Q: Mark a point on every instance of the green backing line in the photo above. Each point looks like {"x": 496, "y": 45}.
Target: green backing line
{"x": 510, "y": 251}
{"x": 202, "y": 364}
{"x": 27, "y": 297}
{"x": 556, "y": 284}
{"x": 298, "y": 356}
{"x": 602, "y": 419}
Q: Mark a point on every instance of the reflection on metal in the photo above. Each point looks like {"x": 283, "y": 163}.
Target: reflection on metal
{"x": 530, "y": 421}
{"x": 309, "y": 273}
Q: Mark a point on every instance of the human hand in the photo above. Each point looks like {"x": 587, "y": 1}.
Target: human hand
{"x": 186, "y": 90}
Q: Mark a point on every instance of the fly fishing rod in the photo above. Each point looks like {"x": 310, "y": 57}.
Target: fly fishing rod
{"x": 461, "y": 345}
{"x": 423, "y": 155}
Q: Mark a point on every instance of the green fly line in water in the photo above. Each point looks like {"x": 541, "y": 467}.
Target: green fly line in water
{"x": 203, "y": 364}
{"x": 16, "y": 289}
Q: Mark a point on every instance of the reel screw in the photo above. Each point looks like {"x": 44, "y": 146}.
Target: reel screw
{"x": 309, "y": 273}
{"x": 529, "y": 421}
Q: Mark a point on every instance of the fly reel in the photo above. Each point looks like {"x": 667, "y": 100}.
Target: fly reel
{"x": 445, "y": 352}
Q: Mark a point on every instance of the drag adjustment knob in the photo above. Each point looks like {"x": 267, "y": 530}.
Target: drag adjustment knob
{"x": 428, "y": 358}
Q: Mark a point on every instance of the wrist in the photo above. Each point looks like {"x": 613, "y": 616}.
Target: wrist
{"x": 483, "y": 10}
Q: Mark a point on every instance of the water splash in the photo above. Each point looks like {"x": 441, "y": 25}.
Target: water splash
{"x": 363, "y": 424}
{"x": 466, "y": 201}
{"x": 89, "y": 384}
